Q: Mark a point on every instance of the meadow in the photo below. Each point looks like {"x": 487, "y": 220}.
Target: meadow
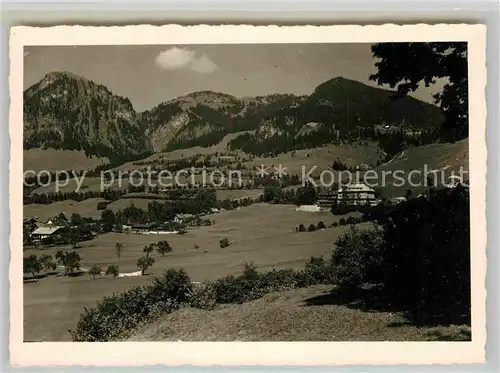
{"x": 261, "y": 233}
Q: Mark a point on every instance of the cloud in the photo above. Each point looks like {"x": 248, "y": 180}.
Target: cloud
{"x": 180, "y": 58}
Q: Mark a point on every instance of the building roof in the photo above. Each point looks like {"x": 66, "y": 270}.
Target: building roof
{"x": 356, "y": 187}
{"x": 46, "y": 230}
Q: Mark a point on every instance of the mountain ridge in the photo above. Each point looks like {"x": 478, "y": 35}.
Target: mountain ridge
{"x": 67, "y": 111}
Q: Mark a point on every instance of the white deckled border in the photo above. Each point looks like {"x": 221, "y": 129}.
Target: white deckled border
{"x": 261, "y": 353}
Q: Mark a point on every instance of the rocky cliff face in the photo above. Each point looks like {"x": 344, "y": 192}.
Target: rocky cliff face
{"x": 65, "y": 111}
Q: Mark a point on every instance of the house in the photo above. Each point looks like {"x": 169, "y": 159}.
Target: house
{"x": 142, "y": 228}
{"x": 44, "y": 232}
{"x": 357, "y": 194}
{"x": 181, "y": 218}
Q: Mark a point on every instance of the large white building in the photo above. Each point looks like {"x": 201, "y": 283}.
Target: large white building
{"x": 357, "y": 194}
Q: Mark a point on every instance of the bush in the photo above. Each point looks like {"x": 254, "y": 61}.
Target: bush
{"x": 311, "y": 228}
{"x": 342, "y": 221}
{"x": 316, "y": 271}
{"x": 114, "y": 316}
{"x": 224, "y": 243}
{"x": 358, "y": 258}
{"x": 95, "y": 271}
{"x": 302, "y": 228}
{"x": 335, "y": 224}
{"x": 113, "y": 270}
{"x": 174, "y": 285}
{"x": 321, "y": 225}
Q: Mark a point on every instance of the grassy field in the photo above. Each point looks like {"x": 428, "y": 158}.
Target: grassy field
{"x": 56, "y": 160}
{"x": 88, "y": 207}
{"x": 308, "y": 314}
{"x": 261, "y": 233}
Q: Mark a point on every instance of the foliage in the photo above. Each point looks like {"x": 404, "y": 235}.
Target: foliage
{"x": 163, "y": 247}
{"x": 321, "y": 225}
{"x": 428, "y": 253}
{"x": 113, "y": 270}
{"x": 358, "y": 258}
{"x": 70, "y": 261}
{"x": 144, "y": 263}
{"x": 311, "y": 228}
{"x": 302, "y": 228}
{"x": 224, "y": 243}
{"x": 174, "y": 285}
{"x": 47, "y": 263}
{"x": 95, "y": 270}
{"x": 31, "y": 265}
{"x": 148, "y": 249}
{"x": 400, "y": 68}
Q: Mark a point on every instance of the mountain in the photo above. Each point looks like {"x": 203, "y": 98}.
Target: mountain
{"x": 68, "y": 112}
{"x": 339, "y": 111}
{"x": 204, "y": 118}
{"x": 65, "y": 111}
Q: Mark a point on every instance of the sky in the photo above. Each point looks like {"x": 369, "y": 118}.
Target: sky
{"x": 149, "y": 75}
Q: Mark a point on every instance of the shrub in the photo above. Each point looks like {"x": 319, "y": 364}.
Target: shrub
{"x": 316, "y": 271}
{"x": 113, "y": 316}
{"x": 321, "y": 225}
{"x": 358, "y": 258}
{"x": 302, "y": 228}
{"x": 113, "y": 270}
{"x": 224, "y": 243}
{"x": 335, "y": 224}
{"x": 95, "y": 270}
{"x": 351, "y": 220}
{"x": 174, "y": 285}
{"x": 311, "y": 228}
{"x": 342, "y": 221}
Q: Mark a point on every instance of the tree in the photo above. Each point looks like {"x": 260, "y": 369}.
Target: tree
{"x": 113, "y": 270}
{"x": 148, "y": 249}
{"x": 32, "y": 265}
{"x": 144, "y": 263}
{"x": 306, "y": 195}
{"x": 108, "y": 220}
{"x": 405, "y": 65}
{"x": 47, "y": 263}
{"x": 76, "y": 219}
{"x": 163, "y": 247}
{"x": 119, "y": 249}
{"x": 70, "y": 261}
{"x": 224, "y": 243}
{"x": 95, "y": 270}
{"x": 271, "y": 193}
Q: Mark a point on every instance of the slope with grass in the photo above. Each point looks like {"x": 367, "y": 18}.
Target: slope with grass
{"x": 307, "y": 314}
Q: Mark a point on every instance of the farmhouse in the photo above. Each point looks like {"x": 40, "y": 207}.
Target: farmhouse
{"x": 142, "y": 228}
{"x": 357, "y": 194}
{"x": 45, "y": 232}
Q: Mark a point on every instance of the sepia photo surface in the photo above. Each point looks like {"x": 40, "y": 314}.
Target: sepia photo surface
{"x": 241, "y": 184}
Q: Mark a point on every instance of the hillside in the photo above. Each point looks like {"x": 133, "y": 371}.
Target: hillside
{"x": 68, "y": 112}
{"x": 308, "y": 314}
{"x": 340, "y": 111}
{"x": 443, "y": 159}
{"x": 65, "y": 111}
